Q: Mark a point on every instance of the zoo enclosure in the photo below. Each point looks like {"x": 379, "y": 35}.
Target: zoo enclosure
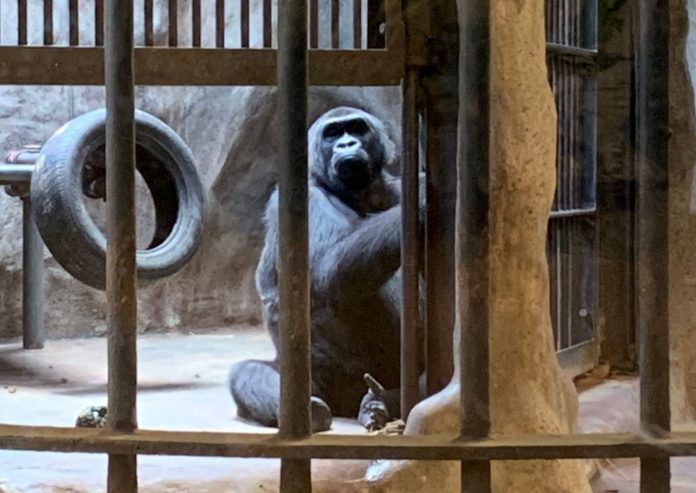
{"x": 85, "y": 65}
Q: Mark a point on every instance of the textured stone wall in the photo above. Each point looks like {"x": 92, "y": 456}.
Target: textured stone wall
{"x": 233, "y": 135}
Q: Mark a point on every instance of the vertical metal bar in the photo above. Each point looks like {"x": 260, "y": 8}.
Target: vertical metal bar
{"x": 99, "y": 22}
{"x": 376, "y": 16}
{"x": 472, "y": 242}
{"x": 120, "y": 255}
{"x": 357, "y": 24}
{"x": 220, "y": 23}
{"x": 48, "y": 22}
{"x": 73, "y": 9}
{"x": 34, "y": 332}
{"x": 409, "y": 245}
{"x": 267, "y": 24}
{"x": 293, "y": 262}
{"x": 149, "y": 23}
{"x": 173, "y": 14}
{"x": 21, "y": 22}
{"x": 335, "y": 23}
{"x": 196, "y": 23}
{"x": 652, "y": 106}
{"x": 244, "y": 15}
{"x": 314, "y": 23}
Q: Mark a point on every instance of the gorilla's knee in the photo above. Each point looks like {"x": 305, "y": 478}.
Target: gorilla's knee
{"x": 255, "y": 388}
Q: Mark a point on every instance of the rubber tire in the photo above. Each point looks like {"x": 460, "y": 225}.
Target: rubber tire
{"x": 65, "y": 225}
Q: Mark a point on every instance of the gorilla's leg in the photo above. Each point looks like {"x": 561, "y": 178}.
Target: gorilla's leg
{"x": 255, "y": 388}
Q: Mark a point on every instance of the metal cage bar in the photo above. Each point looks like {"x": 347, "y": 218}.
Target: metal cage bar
{"x": 48, "y": 22}
{"x": 293, "y": 232}
{"x": 244, "y": 29}
{"x": 173, "y": 29}
{"x": 652, "y": 108}
{"x": 410, "y": 246}
{"x": 196, "y": 23}
{"x": 74, "y": 15}
{"x": 472, "y": 237}
{"x": 21, "y": 22}
{"x": 220, "y": 23}
{"x": 120, "y": 256}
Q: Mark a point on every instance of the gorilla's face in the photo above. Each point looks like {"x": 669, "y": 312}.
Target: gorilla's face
{"x": 351, "y": 150}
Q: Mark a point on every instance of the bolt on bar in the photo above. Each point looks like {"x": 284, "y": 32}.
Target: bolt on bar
{"x": 293, "y": 262}
{"x": 472, "y": 241}
{"x": 652, "y": 230}
{"x": 120, "y": 255}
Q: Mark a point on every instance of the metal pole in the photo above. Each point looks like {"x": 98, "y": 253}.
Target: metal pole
{"x": 293, "y": 262}
{"x": 410, "y": 349}
{"x": 472, "y": 241}
{"x": 15, "y": 174}
{"x": 120, "y": 255}
{"x": 34, "y": 333}
{"x": 653, "y": 233}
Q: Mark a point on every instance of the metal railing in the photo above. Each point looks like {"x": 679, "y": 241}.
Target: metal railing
{"x": 373, "y": 56}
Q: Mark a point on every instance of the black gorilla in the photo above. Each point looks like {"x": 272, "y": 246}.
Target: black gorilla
{"x": 354, "y": 255}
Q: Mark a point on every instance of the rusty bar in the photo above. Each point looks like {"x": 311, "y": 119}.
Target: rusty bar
{"x": 357, "y": 24}
{"x": 196, "y": 66}
{"x": 120, "y": 256}
{"x": 244, "y": 16}
{"x": 314, "y": 23}
{"x": 410, "y": 350}
{"x": 99, "y": 22}
{"x": 335, "y": 23}
{"x": 21, "y": 22}
{"x": 376, "y": 17}
{"x": 267, "y": 24}
{"x": 293, "y": 262}
{"x": 48, "y": 22}
{"x": 220, "y": 23}
{"x": 471, "y": 235}
{"x": 652, "y": 108}
{"x": 441, "y": 101}
{"x": 196, "y": 23}
{"x": 74, "y": 14}
{"x": 149, "y": 23}
{"x": 337, "y": 446}
{"x": 173, "y": 14}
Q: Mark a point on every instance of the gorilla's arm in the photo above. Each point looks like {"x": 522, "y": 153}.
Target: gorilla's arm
{"x": 364, "y": 260}
{"x": 266, "y": 273}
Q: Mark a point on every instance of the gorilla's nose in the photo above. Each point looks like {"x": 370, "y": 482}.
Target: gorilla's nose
{"x": 346, "y": 142}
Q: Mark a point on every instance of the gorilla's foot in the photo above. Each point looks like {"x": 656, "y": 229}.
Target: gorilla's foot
{"x": 321, "y": 415}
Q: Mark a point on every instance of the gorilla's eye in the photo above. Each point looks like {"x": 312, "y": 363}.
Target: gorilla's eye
{"x": 332, "y": 131}
{"x": 357, "y": 127}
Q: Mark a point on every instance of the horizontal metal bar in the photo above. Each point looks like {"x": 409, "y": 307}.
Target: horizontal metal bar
{"x": 430, "y": 447}
{"x": 11, "y": 174}
{"x": 573, "y": 51}
{"x": 38, "y": 65}
{"x": 573, "y": 213}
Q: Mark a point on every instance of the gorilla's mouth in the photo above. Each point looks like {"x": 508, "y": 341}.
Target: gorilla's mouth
{"x": 353, "y": 172}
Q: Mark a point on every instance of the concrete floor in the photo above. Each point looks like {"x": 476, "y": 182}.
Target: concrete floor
{"x": 182, "y": 387}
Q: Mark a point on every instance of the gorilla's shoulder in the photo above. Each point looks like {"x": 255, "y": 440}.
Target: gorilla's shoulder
{"x": 316, "y": 196}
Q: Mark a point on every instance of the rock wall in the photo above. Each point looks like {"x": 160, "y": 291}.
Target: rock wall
{"x": 232, "y": 132}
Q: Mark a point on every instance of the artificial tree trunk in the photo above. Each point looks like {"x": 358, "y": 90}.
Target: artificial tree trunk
{"x": 528, "y": 392}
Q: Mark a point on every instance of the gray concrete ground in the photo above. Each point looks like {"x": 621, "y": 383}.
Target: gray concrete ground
{"x": 182, "y": 387}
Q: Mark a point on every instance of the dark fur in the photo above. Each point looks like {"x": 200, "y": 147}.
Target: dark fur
{"x": 354, "y": 254}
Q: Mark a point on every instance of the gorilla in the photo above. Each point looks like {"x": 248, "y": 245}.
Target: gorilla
{"x": 354, "y": 258}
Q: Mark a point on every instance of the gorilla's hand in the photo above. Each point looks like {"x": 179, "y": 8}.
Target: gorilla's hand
{"x": 373, "y": 414}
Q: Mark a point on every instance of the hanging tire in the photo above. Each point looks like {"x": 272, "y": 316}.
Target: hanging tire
{"x": 71, "y": 164}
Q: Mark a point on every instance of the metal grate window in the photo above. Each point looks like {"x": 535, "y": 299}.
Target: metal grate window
{"x": 571, "y": 49}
